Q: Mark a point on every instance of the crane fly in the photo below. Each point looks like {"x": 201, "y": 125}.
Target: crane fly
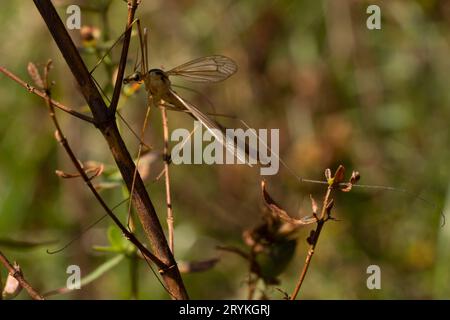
{"x": 210, "y": 69}
{"x": 214, "y": 68}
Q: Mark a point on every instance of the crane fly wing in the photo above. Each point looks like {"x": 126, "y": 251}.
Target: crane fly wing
{"x": 206, "y": 69}
{"x": 200, "y": 116}
{"x": 216, "y": 130}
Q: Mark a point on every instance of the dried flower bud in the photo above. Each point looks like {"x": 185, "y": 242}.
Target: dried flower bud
{"x": 314, "y": 206}
{"x": 35, "y": 75}
{"x": 197, "y": 266}
{"x": 339, "y": 176}
{"x": 89, "y": 36}
{"x": 66, "y": 175}
{"x": 355, "y": 177}
{"x": 328, "y": 175}
{"x": 12, "y": 287}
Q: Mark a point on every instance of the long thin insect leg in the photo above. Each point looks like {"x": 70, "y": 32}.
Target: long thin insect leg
{"x": 105, "y": 95}
{"x": 167, "y": 178}
{"x": 120, "y": 115}
{"x": 137, "y": 163}
{"x": 112, "y": 46}
{"x": 143, "y": 45}
{"x": 132, "y": 131}
{"x": 181, "y": 147}
{"x": 260, "y": 141}
{"x": 145, "y": 51}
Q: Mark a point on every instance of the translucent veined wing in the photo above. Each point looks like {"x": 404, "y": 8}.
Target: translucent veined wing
{"x": 206, "y": 69}
{"x": 213, "y": 127}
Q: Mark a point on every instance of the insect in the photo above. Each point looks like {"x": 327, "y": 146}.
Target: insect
{"x": 214, "y": 68}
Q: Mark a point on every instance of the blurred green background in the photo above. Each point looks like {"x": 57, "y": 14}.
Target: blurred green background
{"x": 376, "y": 101}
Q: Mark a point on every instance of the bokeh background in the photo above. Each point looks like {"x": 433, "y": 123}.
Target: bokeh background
{"x": 376, "y": 101}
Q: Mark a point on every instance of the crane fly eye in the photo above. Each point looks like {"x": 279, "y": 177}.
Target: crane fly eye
{"x": 135, "y": 77}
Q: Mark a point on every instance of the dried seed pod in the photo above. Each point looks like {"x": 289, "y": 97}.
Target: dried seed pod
{"x": 12, "y": 286}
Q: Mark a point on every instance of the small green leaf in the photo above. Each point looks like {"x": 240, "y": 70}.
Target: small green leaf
{"x": 107, "y": 249}
{"x": 116, "y": 238}
{"x": 23, "y": 244}
{"x": 102, "y": 269}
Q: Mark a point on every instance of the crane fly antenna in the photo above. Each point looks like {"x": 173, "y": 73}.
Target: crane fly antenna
{"x": 146, "y": 50}
{"x": 132, "y": 131}
{"x": 112, "y": 47}
{"x": 142, "y": 46}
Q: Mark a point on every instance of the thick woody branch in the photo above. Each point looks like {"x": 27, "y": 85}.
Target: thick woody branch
{"x": 105, "y": 122}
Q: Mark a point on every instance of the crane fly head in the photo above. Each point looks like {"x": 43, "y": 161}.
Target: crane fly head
{"x": 135, "y": 77}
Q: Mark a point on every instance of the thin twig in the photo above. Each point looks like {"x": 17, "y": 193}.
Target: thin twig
{"x": 252, "y": 281}
{"x": 19, "y": 277}
{"x": 167, "y": 178}
{"x": 313, "y": 242}
{"x": 235, "y": 250}
{"x": 132, "y": 6}
{"x": 41, "y": 94}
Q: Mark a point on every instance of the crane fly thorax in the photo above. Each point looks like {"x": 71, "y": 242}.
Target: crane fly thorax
{"x": 157, "y": 83}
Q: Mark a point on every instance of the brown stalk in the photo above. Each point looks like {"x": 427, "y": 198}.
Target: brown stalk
{"x": 24, "y": 283}
{"x": 105, "y": 122}
{"x": 132, "y": 6}
{"x": 325, "y": 215}
{"x": 311, "y": 249}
